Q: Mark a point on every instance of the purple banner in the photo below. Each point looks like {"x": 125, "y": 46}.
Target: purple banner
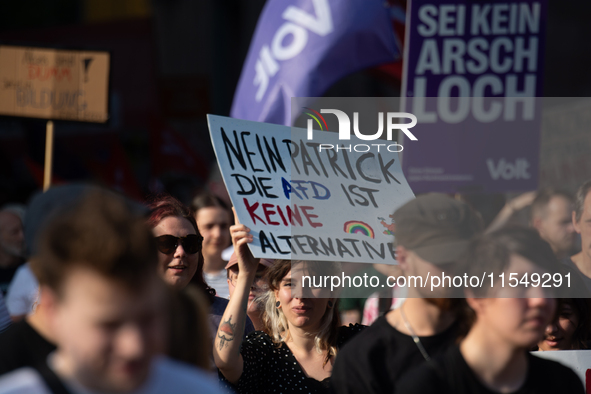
{"x": 301, "y": 47}
{"x": 472, "y": 73}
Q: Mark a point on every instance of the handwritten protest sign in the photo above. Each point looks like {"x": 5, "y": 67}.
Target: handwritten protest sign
{"x": 303, "y": 202}
{"x": 54, "y": 84}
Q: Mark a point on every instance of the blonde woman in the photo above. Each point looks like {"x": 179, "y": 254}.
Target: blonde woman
{"x": 296, "y": 350}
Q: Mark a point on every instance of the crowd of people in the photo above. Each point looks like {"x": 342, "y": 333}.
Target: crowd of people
{"x": 102, "y": 294}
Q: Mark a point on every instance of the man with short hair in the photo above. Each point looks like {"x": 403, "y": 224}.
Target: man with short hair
{"x": 581, "y": 219}
{"x": 12, "y": 242}
{"x": 494, "y": 355}
{"x": 432, "y": 232}
{"x": 29, "y": 340}
{"x": 551, "y": 216}
{"x": 97, "y": 271}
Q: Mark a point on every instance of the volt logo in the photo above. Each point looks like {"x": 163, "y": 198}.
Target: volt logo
{"x": 345, "y": 124}
{"x": 507, "y": 170}
{"x": 290, "y": 39}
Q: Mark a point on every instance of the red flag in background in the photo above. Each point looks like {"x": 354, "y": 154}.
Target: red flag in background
{"x": 170, "y": 152}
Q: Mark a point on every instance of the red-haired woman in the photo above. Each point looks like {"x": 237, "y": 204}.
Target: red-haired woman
{"x": 179, "y": 246}
{"x": 179, "y": 242}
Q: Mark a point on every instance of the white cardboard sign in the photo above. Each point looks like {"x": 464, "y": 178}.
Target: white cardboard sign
{"x": 309, "y": 204}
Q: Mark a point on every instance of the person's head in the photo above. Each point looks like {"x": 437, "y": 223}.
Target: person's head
{"x": 96, "y": 265}
{"x": 432, "y": 232}
{"x": 45, "y": 205}
{"x": 569, "y": 329}
{"x": 581, "y": 217}
{"x": 295, "y": 302}
{"x": 517, "y": 313}
{"x": 178, "y": 241}
{"x": 258, "y": 286}
{"x": 12, "y": 239}
{"x": 551, "y": 216}
{"x": 214, "y": 220}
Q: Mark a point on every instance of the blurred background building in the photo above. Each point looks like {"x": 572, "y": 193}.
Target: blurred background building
{"x": 174, "y": 61}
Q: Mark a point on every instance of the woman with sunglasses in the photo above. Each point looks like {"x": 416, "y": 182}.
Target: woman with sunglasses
{"x": 178, "y": 241}
{"x": 180, "y": 263}
{"x": 296, "y": 350}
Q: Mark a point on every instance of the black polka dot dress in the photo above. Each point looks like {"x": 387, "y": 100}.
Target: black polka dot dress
{"x": 274, "y": 370}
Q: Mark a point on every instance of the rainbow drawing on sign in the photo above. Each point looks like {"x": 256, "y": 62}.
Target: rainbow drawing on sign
{"x": 390, "y": 228}
{"x": 357, "y": 227}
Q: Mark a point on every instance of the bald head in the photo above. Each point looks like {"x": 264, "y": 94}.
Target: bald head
{"x": 12, "y": 238}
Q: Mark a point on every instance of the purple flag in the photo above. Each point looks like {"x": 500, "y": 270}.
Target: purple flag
{"x": 301, "y": 47}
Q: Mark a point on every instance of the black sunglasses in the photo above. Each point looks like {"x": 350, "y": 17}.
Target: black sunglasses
{"x": 167, "y": 244}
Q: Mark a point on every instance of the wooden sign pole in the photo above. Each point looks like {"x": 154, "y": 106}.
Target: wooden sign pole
{"x": 48, "y": 155}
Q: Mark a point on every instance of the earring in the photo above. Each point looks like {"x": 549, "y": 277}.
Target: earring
{"x": 330, "y": 304}
{"x": 277, "y": 304}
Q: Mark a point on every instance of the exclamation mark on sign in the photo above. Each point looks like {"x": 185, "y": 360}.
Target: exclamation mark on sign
{"x": 86, "y": 62}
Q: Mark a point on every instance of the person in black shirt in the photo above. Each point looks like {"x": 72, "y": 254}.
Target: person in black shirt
{"x": 296, "y": 351}
{"x": 376, "y": 358}
{"x": 431, "y": 230}
{"x": 22, "y": 346}
{"x": 450, "y": 374}
{"x": 28, "y": 342}
{"x": 97, "y": 268}
{"x": 507, "y": 322}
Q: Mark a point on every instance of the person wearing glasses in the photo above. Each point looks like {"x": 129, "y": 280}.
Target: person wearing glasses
{"x": 179, "y": 259}
{"x": 178, "y": 241}
{"x": 106, "y": 306}
{"x": 255, "y": 308}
